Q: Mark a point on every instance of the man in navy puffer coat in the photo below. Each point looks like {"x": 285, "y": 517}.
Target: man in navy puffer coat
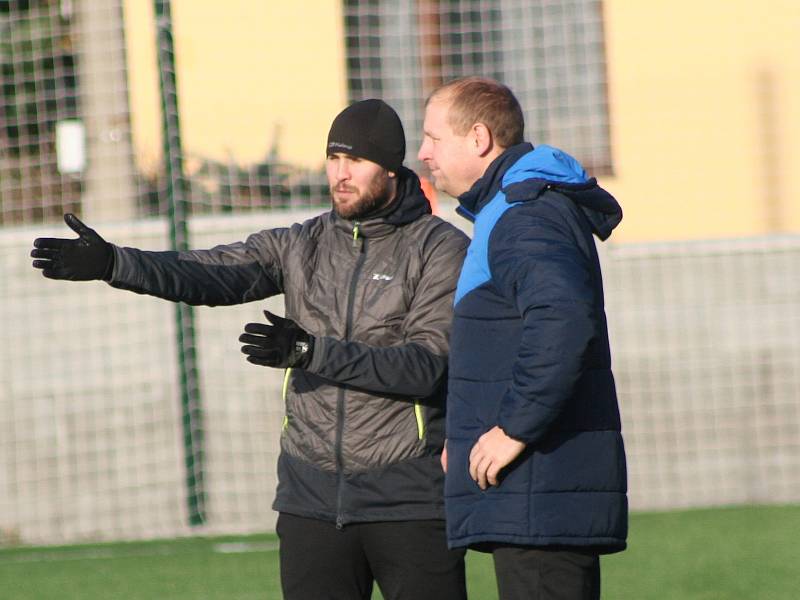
{"x": 535, "y": 459}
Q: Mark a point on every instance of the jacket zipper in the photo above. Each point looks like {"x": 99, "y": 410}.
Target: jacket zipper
{"x": 340, "y": 396}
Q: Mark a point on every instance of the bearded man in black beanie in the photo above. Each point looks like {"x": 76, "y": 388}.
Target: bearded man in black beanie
{"x": 368, "y": 290}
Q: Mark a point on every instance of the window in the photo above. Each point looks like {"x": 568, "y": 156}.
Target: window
{"x": 551, "y": 53}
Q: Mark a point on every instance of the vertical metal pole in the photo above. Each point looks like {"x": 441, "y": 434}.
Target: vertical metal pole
{"x": 179, "y": 236}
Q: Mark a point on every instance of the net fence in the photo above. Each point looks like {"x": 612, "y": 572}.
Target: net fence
{"x": 66, "y": 135}
{"x": 704, "y": 340}
{"x": 66, "y": 141}
{"x": 92, "y": 427}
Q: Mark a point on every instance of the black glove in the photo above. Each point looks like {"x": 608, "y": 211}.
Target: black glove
{"x": 86, "y": 258}
{"x": 282, "y": 344}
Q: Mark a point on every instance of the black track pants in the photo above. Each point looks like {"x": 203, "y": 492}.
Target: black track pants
{"x": 527, "y": 573}
{"x": 408, "y": 559}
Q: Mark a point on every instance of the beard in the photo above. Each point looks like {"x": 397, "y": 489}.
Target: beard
{"x": 378, "y": 195}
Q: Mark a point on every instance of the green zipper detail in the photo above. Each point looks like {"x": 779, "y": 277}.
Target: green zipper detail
{"x": 420, "y": 421}
{"x": 283, "y": 394}
{"x": 355, "y": 235}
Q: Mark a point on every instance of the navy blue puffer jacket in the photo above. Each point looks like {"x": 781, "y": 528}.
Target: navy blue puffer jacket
{"x": 530, "y": 353}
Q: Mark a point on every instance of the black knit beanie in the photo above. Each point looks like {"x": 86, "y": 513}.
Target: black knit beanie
{"x": 369, "y": 129}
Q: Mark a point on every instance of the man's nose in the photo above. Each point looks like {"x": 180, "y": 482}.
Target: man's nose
{"x": 343, "y": 171}
{"x": 423, "y": 153}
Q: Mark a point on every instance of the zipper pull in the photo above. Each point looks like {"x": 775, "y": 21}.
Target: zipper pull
{"x": 355, "y": 234}
{"x": 339, "y": 523}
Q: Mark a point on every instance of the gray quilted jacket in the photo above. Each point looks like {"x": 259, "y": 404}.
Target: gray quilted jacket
{"x": 364, "y": 421}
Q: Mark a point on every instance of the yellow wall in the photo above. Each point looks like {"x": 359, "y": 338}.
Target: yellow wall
{"x": 705, "y": 100}
{"x": 280, "y": 67}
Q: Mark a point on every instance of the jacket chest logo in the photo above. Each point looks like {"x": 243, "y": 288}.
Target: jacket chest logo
{"x": 381, "y": 277}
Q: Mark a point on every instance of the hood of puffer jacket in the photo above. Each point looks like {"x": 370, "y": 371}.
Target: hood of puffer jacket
{"x": 523, "y": 173}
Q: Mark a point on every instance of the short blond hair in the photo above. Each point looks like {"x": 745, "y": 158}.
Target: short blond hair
{"x": 482, "y": 100}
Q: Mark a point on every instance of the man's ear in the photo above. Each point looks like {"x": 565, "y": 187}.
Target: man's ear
{"x": 481, "y": 141}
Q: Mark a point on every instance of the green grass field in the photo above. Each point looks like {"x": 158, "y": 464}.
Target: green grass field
{"x": 722, "y": 554}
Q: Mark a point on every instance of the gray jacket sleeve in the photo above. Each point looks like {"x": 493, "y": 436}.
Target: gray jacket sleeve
{"x": 417, "y": 367}
{"x": 224, "y": 275}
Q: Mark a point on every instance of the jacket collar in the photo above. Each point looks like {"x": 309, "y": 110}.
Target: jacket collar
{"x": 483, "y": 190}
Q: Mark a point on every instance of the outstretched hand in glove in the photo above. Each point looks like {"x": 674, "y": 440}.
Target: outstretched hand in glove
{"x": 282, "y": 344}
{"x": 83, "y": 259}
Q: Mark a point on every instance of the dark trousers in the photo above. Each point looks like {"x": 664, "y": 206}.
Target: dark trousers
{"x": 408, "y": 559}
{"x": 528, "y": 573}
